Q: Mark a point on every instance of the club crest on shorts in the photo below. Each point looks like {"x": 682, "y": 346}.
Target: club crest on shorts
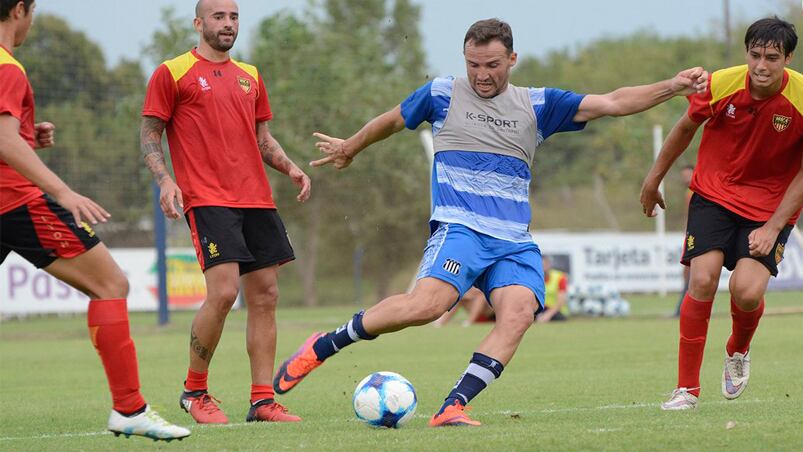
{"x": 452, "y": 266}
{"x": 213, "y": 251}
{"x": 690, "y": 242}
{"x": 779, "y": 253}
{"x": 781, "y": 122}
{"x": 245, "y": 84}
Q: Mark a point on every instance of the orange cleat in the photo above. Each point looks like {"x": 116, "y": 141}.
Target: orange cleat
{"x": 269, "y": 411}
{"x": 202, "y": 407}
{"x": 453, "y": 416}
{"x": 297, "y": 366}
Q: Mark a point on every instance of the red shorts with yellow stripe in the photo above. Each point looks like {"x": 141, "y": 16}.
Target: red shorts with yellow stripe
{"x": 42, "y": 231}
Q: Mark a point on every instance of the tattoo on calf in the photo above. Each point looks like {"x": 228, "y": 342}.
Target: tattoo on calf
{"x": 199, "y": 349}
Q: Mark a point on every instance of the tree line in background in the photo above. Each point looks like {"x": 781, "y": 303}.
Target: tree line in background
{"x": 330, "y": 69}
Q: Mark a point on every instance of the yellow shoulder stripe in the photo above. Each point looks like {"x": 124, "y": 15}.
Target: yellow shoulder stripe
{"x": 794, "y": 89}
{"x": 251, "y": 70}
{"x": 179, "y": 65}
{"x": 727, "y": 81}
{"x": 6, "y": 58}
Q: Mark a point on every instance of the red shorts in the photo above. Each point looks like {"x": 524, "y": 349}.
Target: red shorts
{"x": 42, "y": 231}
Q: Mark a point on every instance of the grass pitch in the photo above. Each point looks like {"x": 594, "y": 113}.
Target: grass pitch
{"x": 585, "y": 384}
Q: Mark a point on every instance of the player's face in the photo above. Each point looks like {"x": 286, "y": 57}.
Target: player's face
{"x": 219, "y": 24}
{"x": 488, "y": 67}
{"x": 766, "y": 65}
{"x": 24, "y": 24}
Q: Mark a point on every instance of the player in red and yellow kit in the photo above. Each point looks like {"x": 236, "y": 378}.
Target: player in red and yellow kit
{"x": 748, "y": 191}
{"x": 43, "y": 220}
{"x": 216, "y": 114}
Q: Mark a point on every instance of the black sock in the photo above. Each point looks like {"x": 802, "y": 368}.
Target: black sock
{"x": 351, "y": 332}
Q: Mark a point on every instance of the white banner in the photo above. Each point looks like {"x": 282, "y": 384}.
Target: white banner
{"x": 27, "y": 290}
{"x": 627, "y": 262}
{"x": 632, "y": 262}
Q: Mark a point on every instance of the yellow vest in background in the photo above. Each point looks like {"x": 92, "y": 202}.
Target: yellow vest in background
{"x": 551, "y": 296}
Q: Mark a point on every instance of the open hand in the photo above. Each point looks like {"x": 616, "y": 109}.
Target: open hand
{"x": 333, "y": 148}
{"x": 650, "y": 197}
{"x": 302, "y": 181}
{"x": 82, "y": 208}
{"x": 169, "y": 196}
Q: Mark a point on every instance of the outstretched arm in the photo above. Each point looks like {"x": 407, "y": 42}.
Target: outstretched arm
{"x": 761, "y": 240}
{"x": 676, "y": 142}
{"x": 19, "y": 155}
{"x": 150, "y": 144}
{"x": 340, "y": 152}
{"x": 276, "y": 158}
{"x": 633, "y": 99}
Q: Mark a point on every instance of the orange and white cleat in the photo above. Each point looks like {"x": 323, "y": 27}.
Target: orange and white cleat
{"x": 453, "y": 416}
{"x": 202, "y": 407}
{"x": 270, "y": 411}
{"x": 298, "y": 366}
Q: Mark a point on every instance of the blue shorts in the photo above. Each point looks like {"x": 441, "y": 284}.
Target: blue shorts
{"x": 463, "y": 258}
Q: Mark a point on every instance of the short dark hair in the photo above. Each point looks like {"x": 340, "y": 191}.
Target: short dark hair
{"x": 772, "y": 31}
{"x": 485, "y": 31}
{"x": 7, "y": 5}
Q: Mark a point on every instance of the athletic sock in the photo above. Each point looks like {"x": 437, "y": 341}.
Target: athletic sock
{"x": 482, "y": 370}
{"x": 694, "y": 317}
{"x": 744, "y": 325}
{"x": 196, "y": 381}
{"x": 261, "y": 393}
{"x": 332, "y": 342}
{"x": 110, "y": 334}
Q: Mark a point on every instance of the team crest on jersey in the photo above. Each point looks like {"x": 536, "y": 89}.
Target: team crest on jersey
{"x": 204, "y": 84}
{"x": 781, "y": 122}
{"x": 452, "y": 266}
{"x": 690, "y": 242}
{"x": 779, "y": 253}
{"x": 245, "y": 84}
{"x": 731, "y": 111}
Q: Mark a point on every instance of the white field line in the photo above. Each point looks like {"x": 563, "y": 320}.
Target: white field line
{"x": 503, "y": 412}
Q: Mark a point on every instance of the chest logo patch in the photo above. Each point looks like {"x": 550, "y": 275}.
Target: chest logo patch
{"x": 203, "y": 84}
{"x": 245, "y": 84}
{"x": 781, "y": 122}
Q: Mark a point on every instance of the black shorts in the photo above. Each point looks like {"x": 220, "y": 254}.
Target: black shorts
{"x": 712, "y": 226}
{"x": 42, "y": 231}
{"x": 255, "y": 238}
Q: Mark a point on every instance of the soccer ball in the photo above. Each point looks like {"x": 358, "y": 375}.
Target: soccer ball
{"x": 385, "y": 399}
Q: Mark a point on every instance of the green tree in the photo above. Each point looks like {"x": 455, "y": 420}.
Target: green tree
{"x": 331, "y": 71}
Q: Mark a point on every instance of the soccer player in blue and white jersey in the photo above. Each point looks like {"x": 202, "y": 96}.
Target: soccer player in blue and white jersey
{"x": 486, "y": 132}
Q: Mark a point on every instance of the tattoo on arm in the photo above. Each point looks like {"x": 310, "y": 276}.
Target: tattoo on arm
{"x": 271, "y": 150}
{"x": 150, "y": 142}
{"x": 199, "y": 349}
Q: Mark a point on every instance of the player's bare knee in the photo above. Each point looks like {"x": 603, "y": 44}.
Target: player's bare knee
{"x": 747, "y": 299}
{"x": 703, "y": 286}
{"x": 264, "y": 299}
{"x": 222, "y": 298}
{"x": 114, "y": 286}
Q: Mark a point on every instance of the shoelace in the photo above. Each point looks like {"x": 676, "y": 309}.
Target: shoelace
{"x": 679, "y": 391}
{"x": 154, "y": 416}
{"x": 737, "y": 365}
{"x": 276, "y": 406}
{"x": 207, "y": 402}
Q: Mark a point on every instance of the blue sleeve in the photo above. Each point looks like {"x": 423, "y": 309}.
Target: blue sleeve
{"x": 555, "y": 110}
{"x": 417, "y": 108}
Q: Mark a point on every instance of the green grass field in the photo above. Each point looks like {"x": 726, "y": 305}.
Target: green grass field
{"x": 585, "y": 384}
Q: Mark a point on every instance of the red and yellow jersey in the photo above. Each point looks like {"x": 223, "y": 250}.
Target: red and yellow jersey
{"x": 750, "y": 149}
{"x": 211, "y": 110}
{"x": 16, "y": 99}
